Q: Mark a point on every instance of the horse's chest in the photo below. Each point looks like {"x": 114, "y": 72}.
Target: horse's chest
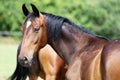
{"x": 85, "y": 69}
{"x": 74, "y": 71}
{"x": 91, "y": 70}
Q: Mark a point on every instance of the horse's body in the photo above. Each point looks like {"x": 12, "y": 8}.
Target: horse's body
{"x": 46, "y": 64}
{"x": 89, "y": 56}
{"x": 111, "y": 60}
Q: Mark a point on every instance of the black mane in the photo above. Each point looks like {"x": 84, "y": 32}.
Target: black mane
{"x": 54, "y": 25}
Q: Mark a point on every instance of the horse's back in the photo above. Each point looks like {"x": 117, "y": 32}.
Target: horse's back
{"x": 111, "y": 60}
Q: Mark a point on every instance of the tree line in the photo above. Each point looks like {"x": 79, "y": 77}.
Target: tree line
{"x": 99, "y": 16}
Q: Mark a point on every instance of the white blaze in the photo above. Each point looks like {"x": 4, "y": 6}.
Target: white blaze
{"x": 28, "y": 24}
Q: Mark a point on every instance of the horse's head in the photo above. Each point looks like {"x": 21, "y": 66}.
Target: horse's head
{"x": 34, "y": 35}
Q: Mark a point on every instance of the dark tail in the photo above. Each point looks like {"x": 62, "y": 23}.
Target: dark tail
{"x": 20, "y": 73}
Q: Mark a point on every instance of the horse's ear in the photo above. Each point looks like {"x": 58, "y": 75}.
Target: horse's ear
{"x": 35, "y": 10}
{"x": 25, "y": 10}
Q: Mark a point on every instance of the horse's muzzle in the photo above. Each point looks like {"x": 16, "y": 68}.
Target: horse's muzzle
{"x": 24, "y": 62}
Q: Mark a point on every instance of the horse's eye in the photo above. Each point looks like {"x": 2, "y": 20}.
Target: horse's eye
{"x": 36, "y": 30}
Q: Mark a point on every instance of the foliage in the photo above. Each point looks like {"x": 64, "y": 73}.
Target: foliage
{"x": 99, "y": 16}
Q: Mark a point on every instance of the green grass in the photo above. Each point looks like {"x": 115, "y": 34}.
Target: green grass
{"x": 7, "y": 60}
{"x": 8, "y": 53}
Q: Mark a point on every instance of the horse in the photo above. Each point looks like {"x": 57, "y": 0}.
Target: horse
{"x": 46, "y": 64}
{"x": 88, "y": 55}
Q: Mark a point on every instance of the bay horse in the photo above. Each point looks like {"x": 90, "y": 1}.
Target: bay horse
{"x": 89, "y": 56}
{"x": 46, "y": 64}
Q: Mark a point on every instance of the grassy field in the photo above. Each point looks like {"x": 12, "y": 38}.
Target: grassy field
{"x": 7, "y": 60}
{"x": 8, "y": 52}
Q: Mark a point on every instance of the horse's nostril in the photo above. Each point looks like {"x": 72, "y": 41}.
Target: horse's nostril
{"x": 24, "y": 62}
{"x": 25, "y": 59}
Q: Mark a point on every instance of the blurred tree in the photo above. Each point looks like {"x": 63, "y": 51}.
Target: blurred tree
{"x": 99, "y": 16}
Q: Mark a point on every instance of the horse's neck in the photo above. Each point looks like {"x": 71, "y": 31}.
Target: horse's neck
{"x": 73, "y": 40}
{"x": 70, "y": 42}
